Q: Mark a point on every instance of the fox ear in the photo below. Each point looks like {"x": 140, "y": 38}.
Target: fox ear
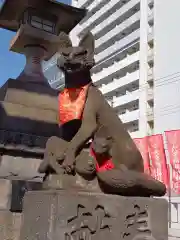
{"x": 88, "y": 43}
{"x": 64, "y": 40}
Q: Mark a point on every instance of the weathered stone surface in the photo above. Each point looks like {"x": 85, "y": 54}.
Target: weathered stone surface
{"x": 59, "y": 215}
{"x": 19, "y": 188}
{"x": 30, "y": 94}
{"x": 24, "y": 168}
{"x": 17, "y": 220}
{"x": 5, "y": 194}
{"x": 21, "y": 141}
{"x": 21, "y": 118}
{"x": 5, "y": 225}
{"x": 55, "y": 181}
{"x": 12, "y": 193}
{"x": 29, "y": 107}
{"x": 10, "y": 225}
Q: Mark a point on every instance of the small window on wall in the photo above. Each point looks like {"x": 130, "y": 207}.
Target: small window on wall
{"x": 41, "y": 23}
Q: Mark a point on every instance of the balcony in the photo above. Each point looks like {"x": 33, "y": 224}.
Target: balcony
{"x": 151, "y": 34}
{"x": 117, "y": 56}
{"x": 116, "y": 67}
{"x": 150, "y": 115}
{"x": 125, "y": 99}
{"x": 136, "y": 134}
{"x": 129, "y": 116}
{"x": 150, "y": 75}
{"x": 118, "y": 46}
{"x": 115, "y": 16}
{"x": 115, "y": 32}
{"x": 94, "y": 7}
{"x": 84, "y": 3}
{"x": 150, "y": 55}
{"x": 47, "y": 64}
{"x": 151, "y": 17}
{"x": 95, "y": 4}
{"x": 97, "y": 15}
{"x": 118, "y": 83}
{"x": 150, "y": 93}
{"x": 151, "y": 3}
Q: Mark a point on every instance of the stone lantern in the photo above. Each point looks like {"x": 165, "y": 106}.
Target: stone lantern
{"x": 28, "y": 105}
{"x": 39, "y": 24}
{"x": 39, "y": 27}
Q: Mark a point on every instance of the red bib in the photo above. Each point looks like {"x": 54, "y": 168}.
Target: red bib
{"x": 71, "y": 103}
{"x": 106, "y": 165}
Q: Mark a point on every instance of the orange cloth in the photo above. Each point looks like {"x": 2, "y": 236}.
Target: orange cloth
{"x": 106, "y": 165}
{"x": 71, "y": 103}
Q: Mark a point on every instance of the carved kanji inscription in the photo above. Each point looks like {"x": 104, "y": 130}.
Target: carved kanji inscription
{"x": 138, "y": 225}
{"x": 88, "y": 223}
{"x": 89, "y": 216}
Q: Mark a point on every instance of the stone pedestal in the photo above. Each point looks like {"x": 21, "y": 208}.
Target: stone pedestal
{"x": 12, "y": 193}
{"x": 70, "y": 215}
{"x": 10, "y": 225}
{"x": 29, "y": 107}
{"x": 5, "y": 194}
{"x": 29, "y": 116}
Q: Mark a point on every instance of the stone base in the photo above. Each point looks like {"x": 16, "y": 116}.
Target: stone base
{"x": 29, "y": 107}
{"x": 5, "y": 194}
{"x": 10, "y": 224}
{"x": 19, "y": 188}
{"x": 54, "y": 181}
{"x": 19, "y": 167}
{"x": 68, "y": 215}
{"x": 12, "y": 193}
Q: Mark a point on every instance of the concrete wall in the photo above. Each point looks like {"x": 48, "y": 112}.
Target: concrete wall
{"x": 166, "y": 65}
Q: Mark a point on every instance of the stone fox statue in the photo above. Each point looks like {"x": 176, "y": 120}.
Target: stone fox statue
{"x": 102, "y": 161}
{"x": 113, "y": 175}
{"x": 83, "y": 109}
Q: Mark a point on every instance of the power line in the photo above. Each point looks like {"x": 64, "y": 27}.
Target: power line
{"x": 169, "y": 112}
{"x": 144, "y": 86}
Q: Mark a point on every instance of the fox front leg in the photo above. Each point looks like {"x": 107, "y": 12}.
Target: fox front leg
{"x": 86, "y": 131}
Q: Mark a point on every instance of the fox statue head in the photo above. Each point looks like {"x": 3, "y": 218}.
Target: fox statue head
{"x": 76, "y": 62}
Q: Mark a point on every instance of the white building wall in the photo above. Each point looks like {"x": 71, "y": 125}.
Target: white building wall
{"x": 167, "y": 65}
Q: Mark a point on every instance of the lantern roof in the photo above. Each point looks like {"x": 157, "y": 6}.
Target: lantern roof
{"x": 67, "y": 16}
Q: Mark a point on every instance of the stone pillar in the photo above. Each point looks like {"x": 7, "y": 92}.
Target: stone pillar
{"x": 70, "y": 215}
{"x": 33, "y": 68}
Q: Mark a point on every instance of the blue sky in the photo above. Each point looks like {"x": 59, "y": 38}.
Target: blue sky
{"x": 11, "y": 64}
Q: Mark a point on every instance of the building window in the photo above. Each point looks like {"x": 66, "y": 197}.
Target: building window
{"x": 41, "y": 23}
